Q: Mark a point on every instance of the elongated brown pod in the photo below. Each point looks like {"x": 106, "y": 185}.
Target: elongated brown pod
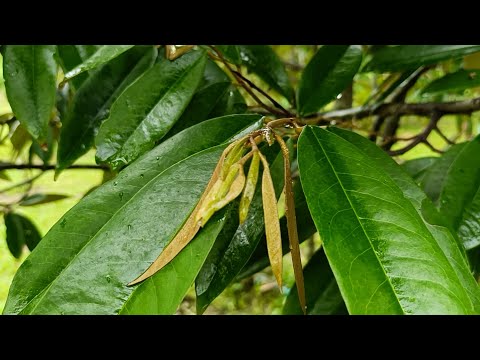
{"x": 292, "y": 225}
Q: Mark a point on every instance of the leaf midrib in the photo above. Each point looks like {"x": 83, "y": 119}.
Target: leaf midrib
{"x": 358, "y": 220}
{"x": 44, "y": 291}
{"x": 160, "y": 98}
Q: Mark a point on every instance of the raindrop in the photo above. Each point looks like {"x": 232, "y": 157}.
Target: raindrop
{"x": 141, "y": 175}
{"x": 129, "y": 227}
{"x": 108, "y": 278}
{"x": 63, "y": 222}
{"x": 115, "y": 183}
{"x": 120, "y": 195}
{"x": 158, "y": 158}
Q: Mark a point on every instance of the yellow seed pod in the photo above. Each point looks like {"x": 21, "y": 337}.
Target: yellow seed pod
{"x": 249, "y": 190}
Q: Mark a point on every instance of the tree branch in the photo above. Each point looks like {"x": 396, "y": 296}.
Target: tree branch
{"x": 420, "y": 138}
{"x": 420, "y": 109}
{"x": 9, "y": 166}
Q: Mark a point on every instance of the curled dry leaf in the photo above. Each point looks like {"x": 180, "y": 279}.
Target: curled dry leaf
{"x": 251, "y": 184}
{"x": 192, "y": 225}
{"x": 272, "y": 222}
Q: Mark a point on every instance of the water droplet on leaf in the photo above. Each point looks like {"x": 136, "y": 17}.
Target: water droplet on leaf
{"x": 120, "y": 195}
{"x": 63, "y": 222}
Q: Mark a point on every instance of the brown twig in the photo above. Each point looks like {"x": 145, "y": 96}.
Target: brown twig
{"x": 245, "y": 86}
{"x": 422, "y": 137}
{"x": 386, "y": 109}
{"x": 272, "y": 100}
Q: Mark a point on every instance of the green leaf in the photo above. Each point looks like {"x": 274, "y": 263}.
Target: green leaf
{"x": 459, "y": 199}
{"x": 231, "y": 53}
{"x": 93, "y": 246}
{"x": 73, "y": 55}
{"x": 321, "y": 289}
{"x": 15, "y": 234}
{"x": 417, "y": 168}
{"x": 457, "y": 81}
{"x": 20, "y": 232}
{"x": 163, "y": 292}
{"x": 394, "y": 262}
{"x": 104, "y": 54}
{"x": 4, "y": 176}
{"x": 92, "y": 102}
{"x": 149, "y": 108}
{"x": 330, "y": 71}
{"x": 434, "y": 178}
{"x": 264, "y": 62}
{"x": 402, "y": 57}
{"x": 37, "y": 199}
{"x": 233, "y": 250}
{"x": 30, "y": 73}
{"x": 210, "y": 100}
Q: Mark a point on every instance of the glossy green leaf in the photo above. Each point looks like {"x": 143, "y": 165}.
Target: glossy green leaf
{"x": 401, "y": 57}
{"x": 330, "y": 71}
{"x": 103, "y": 55}
{"x": 163, "y": 292}
{"x": 112, "y": 235}
{"x": 231, "y": 53}
{"x": 73, "y": 55}
{"x": 92, "y": 102}
{"x": 386, "y": 258}
{"x": 30, "y": 73}
{"x": 459, "y": 199}
{"x": 37, "y": 199}
{"x": 434, "y": 177}
{"x": 234, "y": 251}
{"x": 321, "y": 289}
{"x": 20, "y": 232}
{"x": 210, "y": 100}
{"x": 149, "y": 108}
{"x": 417, "y": 168}
{"x": 457, "y": 81}
{"x": 264, "y": 62}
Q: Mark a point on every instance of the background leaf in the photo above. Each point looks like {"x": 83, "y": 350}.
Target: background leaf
{"x": 96, "y": 231}
{"x": 103, "y": 54}
{"x": 417, "y": 168}
{"x": 212, "y": 98}
{"x": 30, "y": 73}
{"x": 73, "y": 55}
{"x": 434, "y": 177}
{"x": 264, "y": 62}
{"x": 459, "y": 199}
{"x": 401, "y": 57}
{"x": 149, "y": 108}
{"x": 39, "y": 198}
{"x": 457, "y": 81}
{"x": 20, "y": 232}
{"x": 322, "y": 294}
{"x": 92, "y": 102}
{"x": 231, "y": 53}
{"x": 330, "y": 71}
{"x": 389, "y": 256}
